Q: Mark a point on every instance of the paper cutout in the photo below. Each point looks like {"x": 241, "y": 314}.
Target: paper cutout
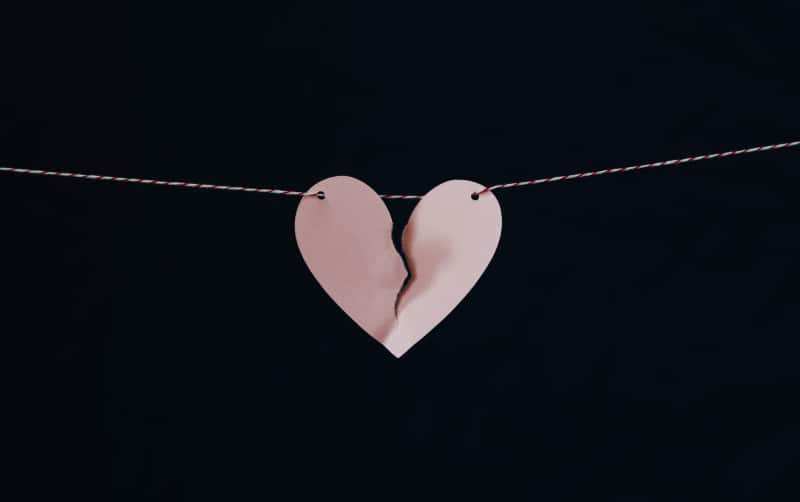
{"x": 346, "y": 242}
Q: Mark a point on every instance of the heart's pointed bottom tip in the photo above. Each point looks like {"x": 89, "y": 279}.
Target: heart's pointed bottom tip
{"x": 397, "y": 353}
{"x": 397, "y": 349}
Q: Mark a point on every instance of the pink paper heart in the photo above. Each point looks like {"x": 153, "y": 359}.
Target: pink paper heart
{"x": 346, "y": 241}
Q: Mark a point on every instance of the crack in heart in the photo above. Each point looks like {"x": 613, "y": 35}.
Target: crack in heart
{"x": 406, "y": 281}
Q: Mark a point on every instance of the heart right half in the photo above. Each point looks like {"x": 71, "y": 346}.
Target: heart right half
{"x": 346, "y": 241}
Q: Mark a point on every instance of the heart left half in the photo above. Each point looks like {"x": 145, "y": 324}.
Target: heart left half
{"x": 346, "y": 242}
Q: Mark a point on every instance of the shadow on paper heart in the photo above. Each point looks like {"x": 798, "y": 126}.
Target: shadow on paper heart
{"x": 433, "y": 253}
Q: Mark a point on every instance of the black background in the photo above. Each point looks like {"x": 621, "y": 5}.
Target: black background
{"x": 635, "y": 337}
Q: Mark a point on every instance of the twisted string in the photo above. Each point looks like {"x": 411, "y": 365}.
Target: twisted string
{"x": 277, "y": 191}
{"x": 662, "y": 163}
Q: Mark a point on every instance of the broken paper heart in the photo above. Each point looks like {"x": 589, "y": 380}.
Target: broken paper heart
{"x": 346, "y": 241}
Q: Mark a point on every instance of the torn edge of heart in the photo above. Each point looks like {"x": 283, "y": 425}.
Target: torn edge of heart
{"x": 406, "y": 281}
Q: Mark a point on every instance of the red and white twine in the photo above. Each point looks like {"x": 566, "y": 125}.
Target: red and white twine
{"x": 186, "y": 184}
{"x": 674, "y": 162}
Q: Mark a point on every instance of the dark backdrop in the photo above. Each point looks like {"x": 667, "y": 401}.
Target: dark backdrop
{"x": 635, "y": 337}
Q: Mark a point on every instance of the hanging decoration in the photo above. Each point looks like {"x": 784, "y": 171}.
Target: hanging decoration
{"x": 344, "y": 233}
